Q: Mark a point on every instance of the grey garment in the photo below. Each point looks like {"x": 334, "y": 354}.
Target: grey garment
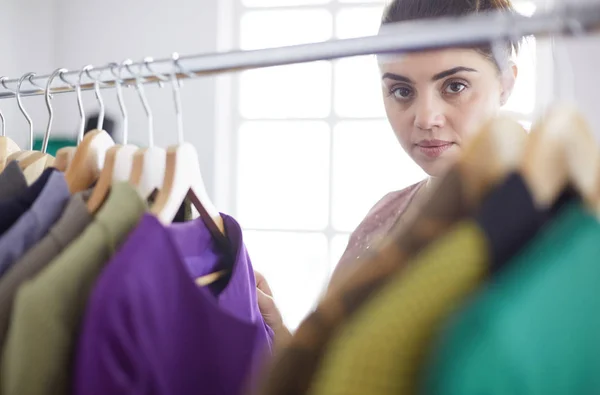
{"x": 12, "y": 181}
{"x": 33, "y": 225}
{"x": 69, "y": 226}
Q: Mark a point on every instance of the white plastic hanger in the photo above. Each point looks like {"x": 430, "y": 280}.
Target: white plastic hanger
{"x": 7, "y": 145}
{"x": 148, "y": 170}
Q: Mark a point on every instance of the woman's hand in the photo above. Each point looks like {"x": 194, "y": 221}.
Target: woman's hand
{"x": 269, "y": 310}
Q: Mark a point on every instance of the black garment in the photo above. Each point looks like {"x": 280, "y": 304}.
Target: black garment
{"x": 509, "y": 218}
{"x": 12, "y": 209}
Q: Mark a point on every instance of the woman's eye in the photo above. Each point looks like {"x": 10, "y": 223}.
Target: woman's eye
{"x": 455, "y": 87}
{"x": 402, "y": 93}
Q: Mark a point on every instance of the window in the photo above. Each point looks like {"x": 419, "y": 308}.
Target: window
{"x": 311, "y": 141}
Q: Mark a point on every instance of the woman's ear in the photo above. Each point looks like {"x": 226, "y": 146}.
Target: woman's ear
{"x": 509, "y": 78}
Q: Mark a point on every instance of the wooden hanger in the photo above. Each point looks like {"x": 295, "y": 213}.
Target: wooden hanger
{"x": 117, "y": 167}
{"x": 33, "y": 162}
{"x": 64, "y": 156}
{"x": 562, "y": 151}
{"x": 88, "y": 160}
{"x": 89, "y": 157}
{"x": 7, "y": 148}
{"x": 102, "y": 188}
{"x": 495, "y": 151}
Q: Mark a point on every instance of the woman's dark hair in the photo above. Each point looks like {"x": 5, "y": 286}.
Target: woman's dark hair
{"x": 409, "y": 10}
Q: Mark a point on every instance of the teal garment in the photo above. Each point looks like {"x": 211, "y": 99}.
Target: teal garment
{"x": 54, "y": 144}
{"x": 536, "y": 329}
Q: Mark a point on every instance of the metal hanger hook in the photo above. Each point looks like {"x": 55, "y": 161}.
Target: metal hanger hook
{"x": 175, "y": 83}
{"x": 20, "y": 104}
{"x": 139, "y": 87}
{"x": 81, "y": 130}
{"x": 48, "y": 97}
{"x": 96, "y": 81}
{"x": 161, "y": 78}
{"x": 3, "y": 130}
{"x": 119, "y": 85}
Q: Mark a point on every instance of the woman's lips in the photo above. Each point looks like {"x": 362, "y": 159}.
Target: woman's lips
{"x": 435, "y": 148}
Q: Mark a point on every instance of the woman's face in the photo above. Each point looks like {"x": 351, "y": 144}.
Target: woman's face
{"x": 435, "y": 100}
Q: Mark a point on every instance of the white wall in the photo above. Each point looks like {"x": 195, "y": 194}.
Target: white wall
{"x": 27, "y": 31}
{"x": 99, "y": 32}
{"x": 584, "y": 63}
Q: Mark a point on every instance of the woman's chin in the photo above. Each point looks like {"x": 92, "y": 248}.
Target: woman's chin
{"x": 437, "y": 167}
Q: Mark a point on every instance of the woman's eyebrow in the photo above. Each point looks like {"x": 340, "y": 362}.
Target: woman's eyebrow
{"x": 397, "y": 77}
{"x": 452, "y": 71}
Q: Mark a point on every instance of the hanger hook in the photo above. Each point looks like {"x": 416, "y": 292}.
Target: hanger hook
{"x": 48, "y": 96}
{"x": 3, "y": 130}
{"x": 161, "y": 78}
{"x": 79, "y": 105}
{"x": 81, "y": 130}
{"x": 32, "y": 82}
{"x": 139, "y": 87}
{"x": 176, "y": 84}
{"x": 88, "y": 70}
{"x": 20, "y": 104}
{"x": 119, "y": 85}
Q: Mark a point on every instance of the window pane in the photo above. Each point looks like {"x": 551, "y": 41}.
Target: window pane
{"x": 338, "y": 246}
{"x": 368, "y": 162}
{"x": 295, "y": 266}
{"x": 281, "y": 3}
{"x": 357, "y": 22}
{"x": 295, "y": 91}
{"x": 357, "y": 88}
{"x": 264, "y": 29}
{"x": 283, "y": 175}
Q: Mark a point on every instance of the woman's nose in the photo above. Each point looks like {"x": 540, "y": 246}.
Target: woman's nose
{"x": 429, "y": 113}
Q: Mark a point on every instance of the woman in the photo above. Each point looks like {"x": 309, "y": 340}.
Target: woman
{"x": 434, "y": 101}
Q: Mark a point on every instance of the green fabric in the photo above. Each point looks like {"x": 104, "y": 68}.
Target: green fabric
{"x": 54, "y": 144}
{"x": 536, "y": 329}
{"x": 48, "y": 309}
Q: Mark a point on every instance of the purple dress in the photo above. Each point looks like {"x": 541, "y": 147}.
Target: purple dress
{"x": 149, "y": 329}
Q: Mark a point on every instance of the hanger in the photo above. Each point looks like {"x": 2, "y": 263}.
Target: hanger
{"x": 64, "y": 155}
{"x": 495, "y": 150}
{"x": 88, "y": 159}
{"x": 34, "y": 165}
{"x": 113, "y": 169}
{"x": 7, "y": 145}
{"x": 493, "y": 153}
{"x": 562, "y": 150}
{"x": 183, "y": 178}
{"x": 31, "y": 162}
{"x": 21, "y": 155}
{"x": 148, "y": 169}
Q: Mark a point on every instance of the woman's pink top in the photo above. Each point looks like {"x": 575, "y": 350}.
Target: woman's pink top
{"x": 378, "y": 222}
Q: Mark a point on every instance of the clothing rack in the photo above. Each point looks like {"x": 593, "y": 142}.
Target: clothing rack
{"x": 398, "y": 38}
